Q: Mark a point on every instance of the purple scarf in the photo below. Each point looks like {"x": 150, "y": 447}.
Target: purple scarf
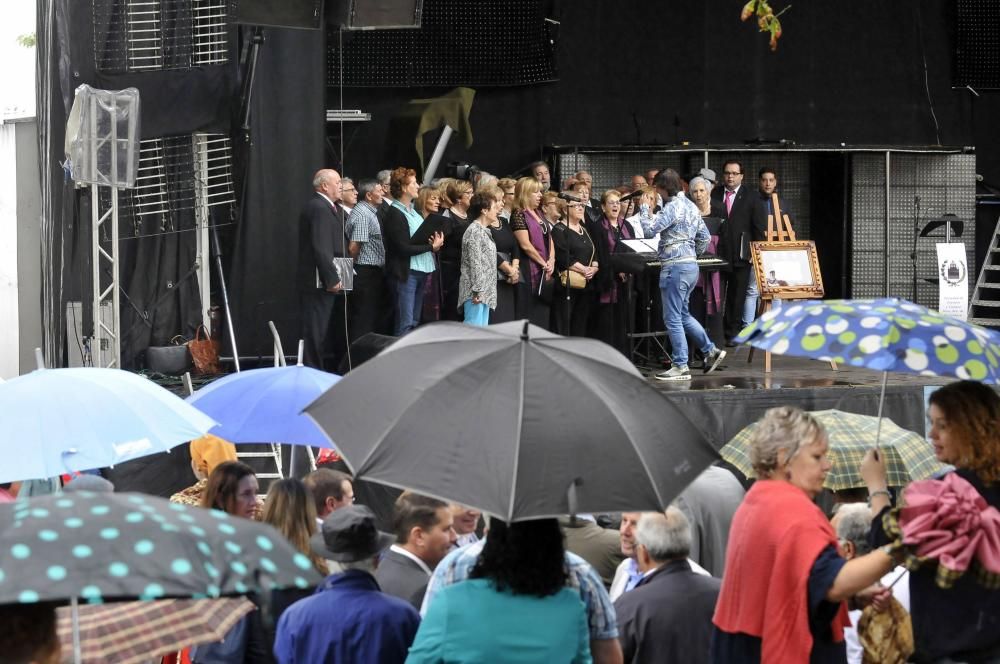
{"x": 538, "y": 241}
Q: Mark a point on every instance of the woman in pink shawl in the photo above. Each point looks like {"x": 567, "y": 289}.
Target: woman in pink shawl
{"x": 532, "y": 235}
{"x": 960, "y": 623}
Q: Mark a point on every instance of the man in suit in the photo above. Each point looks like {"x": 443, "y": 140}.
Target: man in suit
{"x": 739, "y": 229}
{"x": 668, "y": 617}
{"x": 424, "y": 534}
{"x": 321, "y": 238}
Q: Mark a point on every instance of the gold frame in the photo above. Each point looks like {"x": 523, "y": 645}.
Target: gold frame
{"x": 811, "y": 291}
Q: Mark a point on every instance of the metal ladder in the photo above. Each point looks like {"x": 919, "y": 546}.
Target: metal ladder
{"x": 984, "y": 307}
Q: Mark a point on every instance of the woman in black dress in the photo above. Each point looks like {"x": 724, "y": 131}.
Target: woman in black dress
{"x": 508, "y": 267}
{"x": 456, "y": 194}
{"x": 574, "y": 253}
{"x": 610, "y": 308}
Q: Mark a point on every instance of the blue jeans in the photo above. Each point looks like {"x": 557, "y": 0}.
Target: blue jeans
{"x": 409, "y": 301}
{"x": 676, "y": 283}
{"x": 750, "y": 304}
{"x": 476, "y": 314}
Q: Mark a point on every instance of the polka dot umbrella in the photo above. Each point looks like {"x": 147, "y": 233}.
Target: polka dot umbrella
{"x": 888, "y": 334}
{"x": 95, "y": 547}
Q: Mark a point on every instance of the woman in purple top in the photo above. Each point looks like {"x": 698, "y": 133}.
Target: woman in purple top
{"x": 532, "y": 235}
{"x": 610, "y": 309}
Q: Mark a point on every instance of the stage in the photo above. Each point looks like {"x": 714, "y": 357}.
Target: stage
{"x": 737, "y": 393}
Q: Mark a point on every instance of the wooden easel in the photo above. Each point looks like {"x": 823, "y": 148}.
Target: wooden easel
{"x": 779, "y": 229}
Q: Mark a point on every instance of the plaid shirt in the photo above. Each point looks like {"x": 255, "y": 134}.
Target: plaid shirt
{"x": 601, "y": 618}
{"x": 363, "y": 228}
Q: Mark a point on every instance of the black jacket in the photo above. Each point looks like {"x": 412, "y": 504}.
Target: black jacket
{"x": 398, "y": 247}
{"x": 741, "y": 227}
{"x": 321, "y": 238}
{"x": 668, "y": 616}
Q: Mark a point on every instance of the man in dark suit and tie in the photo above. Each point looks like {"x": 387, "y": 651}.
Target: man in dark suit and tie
{"x": 321, "y": 238}
{"x": 740, "y": 228}
{"x": 425, "y": 534}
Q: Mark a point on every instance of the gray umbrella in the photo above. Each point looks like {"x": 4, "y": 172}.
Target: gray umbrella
{"x": 513, "y": 420}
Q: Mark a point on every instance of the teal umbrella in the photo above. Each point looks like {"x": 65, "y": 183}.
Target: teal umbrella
{"x": 94, "y": 547}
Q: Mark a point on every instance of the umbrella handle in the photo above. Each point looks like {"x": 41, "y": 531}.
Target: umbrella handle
{"x": 881, "y": 403}
{"x": 75, "y": 613}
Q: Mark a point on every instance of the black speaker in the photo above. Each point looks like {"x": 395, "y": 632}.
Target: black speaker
{"x": 375, "y": 14}
{"x": 364, "y": 349}
{"x": 303, "y": 14}
{"x": 977, "y": 45}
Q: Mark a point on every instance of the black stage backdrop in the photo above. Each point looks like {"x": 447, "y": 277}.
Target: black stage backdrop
{"x": 286, "y": 149}
{"x": 636, "y": 72}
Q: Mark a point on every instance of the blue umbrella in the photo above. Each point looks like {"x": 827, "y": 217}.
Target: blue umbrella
{"x": 56, "y": 421}
{"x": 265, "y": 405}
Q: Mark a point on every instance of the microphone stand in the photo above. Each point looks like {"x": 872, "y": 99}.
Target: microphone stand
{"x": 916, "y": 235}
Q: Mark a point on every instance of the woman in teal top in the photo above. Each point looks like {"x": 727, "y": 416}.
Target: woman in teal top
{"x": 514, "y": 608}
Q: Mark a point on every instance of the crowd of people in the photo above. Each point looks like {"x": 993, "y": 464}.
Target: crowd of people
{"x": 495, "y": 250}
{"x": 726, "y": 574}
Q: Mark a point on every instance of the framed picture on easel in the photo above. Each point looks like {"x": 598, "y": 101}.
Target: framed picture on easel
{"x": 787, "y": 270}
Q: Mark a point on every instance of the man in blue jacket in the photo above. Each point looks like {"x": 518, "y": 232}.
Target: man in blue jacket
{"x": 348, "y": 619}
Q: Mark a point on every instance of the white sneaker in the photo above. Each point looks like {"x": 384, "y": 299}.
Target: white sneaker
{"x": 712, "y": 360}
{"x": 674, "y": 373}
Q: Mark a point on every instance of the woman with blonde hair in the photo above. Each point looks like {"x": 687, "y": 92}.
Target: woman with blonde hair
{"x": 783, "y": 597}
{"x": 428, "y": 201}
{"x": 532, "y": 235}
{"x": 291, "y": 510}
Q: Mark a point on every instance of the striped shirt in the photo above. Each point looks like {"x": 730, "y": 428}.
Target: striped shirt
{"x": 363, "y": 228}
{"x": 601, "y": 619}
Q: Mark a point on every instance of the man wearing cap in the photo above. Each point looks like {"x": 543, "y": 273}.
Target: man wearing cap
{"x": 348, "y": 619}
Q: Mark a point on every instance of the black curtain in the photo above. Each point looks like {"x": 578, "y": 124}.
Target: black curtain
{"x": 286, "y": 147}
{"x": 157, "y": 287}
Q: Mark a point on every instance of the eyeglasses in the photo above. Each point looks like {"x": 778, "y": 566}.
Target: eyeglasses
{"x": 346, "y": 191}
{"x": 731, "y": 173}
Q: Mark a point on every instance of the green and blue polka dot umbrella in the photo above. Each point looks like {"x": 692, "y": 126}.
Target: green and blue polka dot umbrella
{"x": 887, "y": 334}
{"x": 109, "y": 546}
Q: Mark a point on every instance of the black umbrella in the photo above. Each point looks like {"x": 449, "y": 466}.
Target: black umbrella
{"x": 94, "y": 547}
{"x": 513, "y": 420}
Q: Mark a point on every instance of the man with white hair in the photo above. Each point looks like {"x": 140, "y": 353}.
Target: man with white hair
{"x": 852, "y": 522}
{"x": 629, "y": 575}
{"x": 668, "y": 616}
{"x": 321, "y": 238}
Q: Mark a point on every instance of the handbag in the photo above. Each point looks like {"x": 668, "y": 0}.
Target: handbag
{"x": 171, "y": 360}
{"x": 575, "y": 280}
{"x": 204, "y": 352}
{"x": 502, "y": 257}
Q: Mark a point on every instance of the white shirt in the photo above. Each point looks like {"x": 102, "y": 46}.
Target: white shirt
{"x": 403, "y": 552}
